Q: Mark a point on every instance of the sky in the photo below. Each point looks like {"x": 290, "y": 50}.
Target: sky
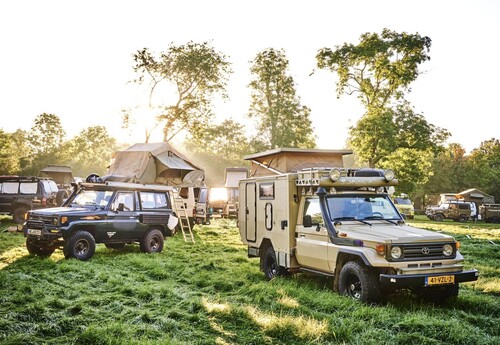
{"x": 74, "y": 58}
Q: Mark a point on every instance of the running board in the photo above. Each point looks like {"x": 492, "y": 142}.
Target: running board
{"x": 320, "y": 273}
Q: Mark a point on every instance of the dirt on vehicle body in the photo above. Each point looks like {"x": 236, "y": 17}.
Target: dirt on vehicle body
{"x": 342, "y": 223}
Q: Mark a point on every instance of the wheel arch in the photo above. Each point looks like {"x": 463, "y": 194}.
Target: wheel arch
{"x": 346, "y": 255}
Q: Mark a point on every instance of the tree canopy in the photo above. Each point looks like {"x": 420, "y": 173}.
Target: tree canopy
{"x": 380, "y": 68}
{"x": 281, "y": 120}
{"x": 195, "y": 72}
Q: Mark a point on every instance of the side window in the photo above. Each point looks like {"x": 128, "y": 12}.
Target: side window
{"x": 312, "y": 209}
{"x": 11, "y": 187}
{"x": 28, "y": 187}
{"x": 151, "y": 201}
{"x": 125, "y": 198}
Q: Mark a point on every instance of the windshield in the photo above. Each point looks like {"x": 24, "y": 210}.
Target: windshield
{"x": 360, "y": 207}
{"x": 402, "y": 201}
{"x": 92, "y": 198}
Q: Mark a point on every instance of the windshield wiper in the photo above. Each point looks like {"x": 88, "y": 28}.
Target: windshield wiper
{"x": 381, "y": 218}
{"x": 350, "y": 218}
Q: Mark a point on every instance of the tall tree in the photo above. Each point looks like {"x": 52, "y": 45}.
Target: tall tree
{"x": 195, "y": 72}
{"x": 282, "y": 120}
{"x": 9, "y": 161}
{"x": 383, "y": 130}
{"x": 380, "y": 68}
{"x": 90, "y": 151}
{"x": 46, "y": 134}
{"x": 484, "y": 168}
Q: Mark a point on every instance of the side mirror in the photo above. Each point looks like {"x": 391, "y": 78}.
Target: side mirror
{"x": 307, "y": 221}
{"x": 121, "y": 207}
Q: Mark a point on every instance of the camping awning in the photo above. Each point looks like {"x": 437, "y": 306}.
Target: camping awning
{"x": 173, "y": 162}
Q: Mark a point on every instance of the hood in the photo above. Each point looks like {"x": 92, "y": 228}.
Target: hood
{"x": 387, "y": 233}
{"x": 65, "y": 211}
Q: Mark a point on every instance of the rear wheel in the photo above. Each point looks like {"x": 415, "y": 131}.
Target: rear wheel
{"x": 80, "y": 246}
{"x": 34, "y": 249}
{"x": 463, "y": 219}
{"x": 19, "y": 214}
{"x": 152, "y": 242}
{"x": 358, "y": 282}
{"x": 269, "y": 264}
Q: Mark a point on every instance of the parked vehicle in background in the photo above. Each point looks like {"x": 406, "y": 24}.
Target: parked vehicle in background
{"x": 19, "y": 194}
{"x": 458, "y": 211}
{"x": 490, "y": 213}
{"x": 113, "y": 213}
{"x": 218, "y": 202}
{"x": 404, "y": 205}
{"x": 62, "y": 176}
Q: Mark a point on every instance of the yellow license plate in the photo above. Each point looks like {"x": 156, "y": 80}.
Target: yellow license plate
{"x": 439, "y": 280}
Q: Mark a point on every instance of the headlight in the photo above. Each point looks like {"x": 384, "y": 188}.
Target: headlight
{"x": 396, "y": 252}
{"x": 447, "y": 249}
{"x": 334, "y": 174}
{"x": 54, "y": 221}
{"x": 389, "y": 175}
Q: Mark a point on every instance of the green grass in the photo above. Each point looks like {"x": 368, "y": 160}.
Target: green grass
{"x": 211, "y": 293}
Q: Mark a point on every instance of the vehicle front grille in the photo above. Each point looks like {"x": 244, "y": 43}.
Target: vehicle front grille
{"x": 44, "y": 219}
{"x": 34, "y": 224}
{"x": 424, "y": 251}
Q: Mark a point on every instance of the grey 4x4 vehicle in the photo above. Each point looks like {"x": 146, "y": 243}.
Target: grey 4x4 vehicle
{"x": 458, "y": 211}
{"x": 18, "y": 194}
{"x": 113, "y": 213}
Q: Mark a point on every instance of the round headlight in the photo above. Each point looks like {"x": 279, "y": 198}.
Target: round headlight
{"x": 396, "y": 252}
{"x": 54, "y": 221}
{"x": 447, "y": 249}
{"x": 334, "y": 174}
{"x": 389, "y": 175}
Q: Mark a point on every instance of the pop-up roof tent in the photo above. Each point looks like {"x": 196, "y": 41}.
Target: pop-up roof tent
{"x": 61, "y": 174}
{"x": 285, "y": 160}
{"x": 156, "y": 163}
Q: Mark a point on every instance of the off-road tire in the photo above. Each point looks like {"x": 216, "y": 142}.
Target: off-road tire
{"x": 19, "y": 214}
{"x": 152, "y": 242}
{"x": 438, "y": 217}
{"x": 463, "y": 219}
{"x": 80, "y": 246}
{"x": 35, "y": 249}
{"x": 359, "y": 282}
{"x": 269, "y": 264}
{"x": 116, "y": 246}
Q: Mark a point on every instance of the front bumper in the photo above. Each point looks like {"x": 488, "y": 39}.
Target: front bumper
{"x": 419, "y": 280}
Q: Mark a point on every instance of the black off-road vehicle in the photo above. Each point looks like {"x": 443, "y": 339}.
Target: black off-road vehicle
{"x": 113, "y": 213}
{"x": 18, "y": 194}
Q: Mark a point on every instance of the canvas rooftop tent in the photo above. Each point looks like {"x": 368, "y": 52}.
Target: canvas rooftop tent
{"x": 285, "y": 160}
{"x": 155, "y": 163}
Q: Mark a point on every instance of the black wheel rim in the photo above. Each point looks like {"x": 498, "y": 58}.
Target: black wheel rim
{"x": 272, "y": 269}
{"x": 353, "y": 287}
{"x": 82, "y": 247}
{"x": 154, "y": 244}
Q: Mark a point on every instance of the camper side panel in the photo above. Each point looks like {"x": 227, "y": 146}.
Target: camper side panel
{"x": 268, "y": 213}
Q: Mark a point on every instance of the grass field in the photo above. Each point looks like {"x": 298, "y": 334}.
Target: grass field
{"x": 211, "y": 293}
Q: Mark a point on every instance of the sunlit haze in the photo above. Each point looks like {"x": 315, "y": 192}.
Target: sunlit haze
{"x": 74, "y": 59}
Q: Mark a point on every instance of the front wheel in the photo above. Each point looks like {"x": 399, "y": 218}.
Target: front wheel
{"x": 152, "y": 242}
{"x": 438, "y": 217}
{"x": 35, "y": 249}
{"x": 358, "y": 282}
{"x": 80, "y": 246}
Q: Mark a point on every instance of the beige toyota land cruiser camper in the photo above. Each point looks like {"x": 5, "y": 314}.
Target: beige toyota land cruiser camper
{"x": 341, "y": 223}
